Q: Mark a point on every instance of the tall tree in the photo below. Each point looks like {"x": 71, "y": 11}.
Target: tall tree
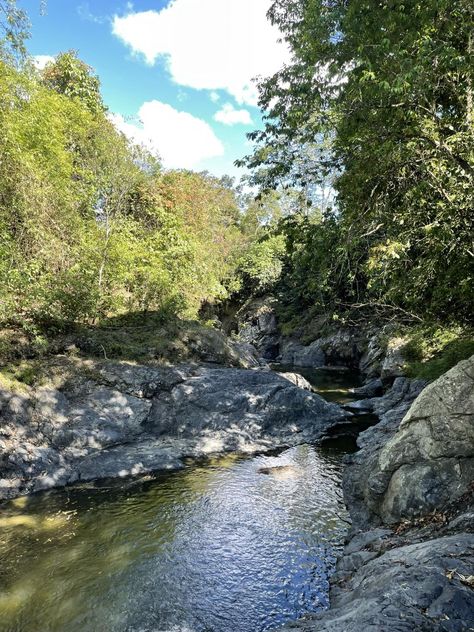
{"x": 387, "y": 89}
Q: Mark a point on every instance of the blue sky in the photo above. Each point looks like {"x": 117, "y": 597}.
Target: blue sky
{"x": 176, "y": 74}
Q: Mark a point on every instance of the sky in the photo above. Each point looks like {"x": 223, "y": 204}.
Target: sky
{"x": 176, "y": 75}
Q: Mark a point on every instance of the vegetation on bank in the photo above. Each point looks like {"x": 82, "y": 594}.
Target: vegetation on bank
{"x": 92, "y": 228}
{"x": 379, "y": 102}
{"x": 365, "y": 168}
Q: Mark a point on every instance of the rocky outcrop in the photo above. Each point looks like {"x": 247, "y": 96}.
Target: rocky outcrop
{"x": 342, "y": 348}
{"x": 430, "y": 460}
{"x": 408, "y": 564}
{"x": 119, "y": 419}
{"x": 383, "y": 356}
{"x": 257, "y": 325}
{"x": 391, "y": 584}
{"x": 295, "y": 354}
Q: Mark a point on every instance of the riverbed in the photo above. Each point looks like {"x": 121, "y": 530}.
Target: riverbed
{"x": 234, "y": 544}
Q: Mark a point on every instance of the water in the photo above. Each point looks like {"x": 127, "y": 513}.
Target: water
{"x": 217, "y": 547}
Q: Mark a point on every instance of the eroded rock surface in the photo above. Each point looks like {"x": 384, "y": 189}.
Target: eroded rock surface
{"x": 408, "y": 564}
{"x": 119, "y": 419}
{"x": 430, "y": 459}
{"x": 257, "y": 325}
{"x": 342, "y": 348}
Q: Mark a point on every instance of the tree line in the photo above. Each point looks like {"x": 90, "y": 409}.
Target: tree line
{"x": 377, "y": 100}
{"x": 91, "y": 225}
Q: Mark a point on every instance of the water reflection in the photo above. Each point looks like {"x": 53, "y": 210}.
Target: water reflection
{"x": 216, "y": 547}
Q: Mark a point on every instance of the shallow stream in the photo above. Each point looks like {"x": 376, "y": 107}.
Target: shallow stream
{"x": 220, "y": 546}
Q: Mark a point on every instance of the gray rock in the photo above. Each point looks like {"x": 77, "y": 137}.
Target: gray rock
{"x": 373, "y": 388}
{"x": 394, "y": 364}
{"x": 416, "y": 459}
{"x": 430, "y": 460}
{"x": 257, "y": 325}
{"x": 120, "y": 419}
{"x": 297, "y": 380}
{"x": 405, "y": 589}
{"x": 245, "y": 405}
{"x": 295, "y": 354}
{"x": 342, "y": 348}
{"x": 371, "y": 361}
{"x": 360, "y": 406}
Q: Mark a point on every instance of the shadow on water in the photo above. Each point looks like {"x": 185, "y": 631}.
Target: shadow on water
{"x": 234, "y": 544}
{"x": 218, "y": 546}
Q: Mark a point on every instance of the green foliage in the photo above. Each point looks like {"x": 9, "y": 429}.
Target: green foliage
{"x": 431, "y": 351}
{"x": 261, "y": 265}
{"x": 14, "y": 30}
{"x": 70, "y": 76}
{"x": 90, "y": 227}
{"x": 379, "y": 98}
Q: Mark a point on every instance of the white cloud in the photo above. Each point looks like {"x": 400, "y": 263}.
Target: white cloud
{"x": 214, "y": 96}
{"x": 85, "y": 13}
{"x": 40, "y": 61}
{"x": 181, "y": 140}
{"x": 228, "y": 115}
{"x": 210, "y": 44}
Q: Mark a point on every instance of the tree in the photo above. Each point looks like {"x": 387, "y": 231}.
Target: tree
{"x": 14, "y": 30}
{"x": 70, "y": 76}
{"x": 386, "y": 89}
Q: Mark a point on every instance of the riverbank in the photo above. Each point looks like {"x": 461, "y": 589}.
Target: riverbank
{"x": 408, "y": 563}
{"x": 89, "y": 419}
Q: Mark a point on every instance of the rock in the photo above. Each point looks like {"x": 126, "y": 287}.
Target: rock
{"x": 257, "y": 325}
{"x": 371, "y": 361}
{"x": 295, "y": 354}
{"x": 360, "y": 406}
{"x": 405, "y": 589}
{"x": 418, "y": 576}
{"x": 342, "y": 348}
{"x": 390, "y": 408}
{"x": 233, "y": 408}
{"x": 394, "y": 364}
{"x": 281, "y": 472}
{"x": 430, "y": 460}
{"x": 297, "y": 380}
{"x": 373, "y": 388}
{"x": 119, "y": 419}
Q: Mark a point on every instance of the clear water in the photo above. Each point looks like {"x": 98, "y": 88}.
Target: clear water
{"x": 217, "y": 547}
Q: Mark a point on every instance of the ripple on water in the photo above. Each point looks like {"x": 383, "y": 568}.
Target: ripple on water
{"x": 220, "y": 546}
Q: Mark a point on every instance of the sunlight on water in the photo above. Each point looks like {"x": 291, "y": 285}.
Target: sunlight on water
{"x": 234, "y": 544}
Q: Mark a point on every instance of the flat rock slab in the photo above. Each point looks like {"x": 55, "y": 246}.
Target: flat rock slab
{"x": 119, "y": 419}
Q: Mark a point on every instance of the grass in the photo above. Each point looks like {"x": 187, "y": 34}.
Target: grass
{"x": 433, "y": 350}
{"x": 27, "y": 359}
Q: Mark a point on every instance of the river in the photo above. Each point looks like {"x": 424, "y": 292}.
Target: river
{"x": 220, "y": 546}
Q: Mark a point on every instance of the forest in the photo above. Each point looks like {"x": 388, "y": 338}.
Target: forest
{"x": 358, "y": 202}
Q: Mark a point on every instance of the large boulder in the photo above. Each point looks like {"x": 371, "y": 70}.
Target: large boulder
{"x": 430, "y": 460}
{"x": 341, "y": 348}
{"x": 235, "y": 409}
{"x": 390, "y": 409}
{"x": 295, "y": 354}
{"x": 119, "y": 419}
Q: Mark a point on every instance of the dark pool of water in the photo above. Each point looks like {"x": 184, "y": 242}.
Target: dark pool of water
{"x": 217, "y": 547}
